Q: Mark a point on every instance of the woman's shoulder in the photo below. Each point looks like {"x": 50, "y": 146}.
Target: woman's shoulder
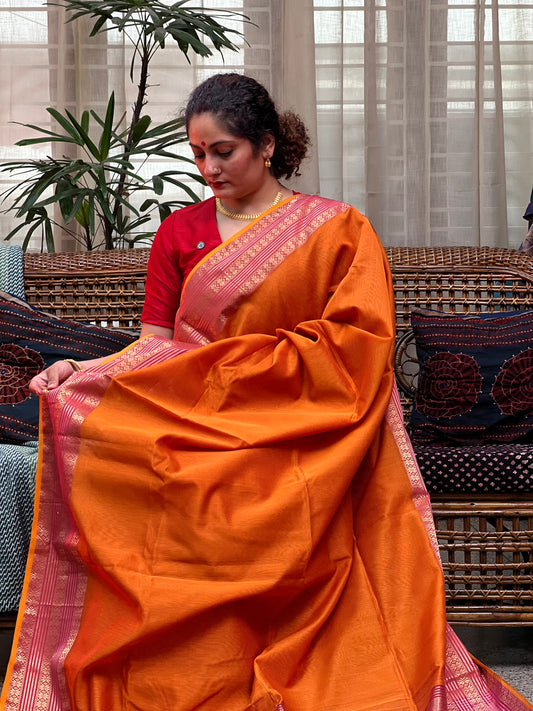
{"x": 192, "y": 212}
{"x": 326, "y": 201}
{"x": 336, "y": 207}
{"x": 342, "y": 220}
{"x": 181, "y": 228}
{"x": 187, "y": 220}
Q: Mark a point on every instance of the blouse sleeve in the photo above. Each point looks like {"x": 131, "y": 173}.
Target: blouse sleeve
{"x": 164, "y": 278}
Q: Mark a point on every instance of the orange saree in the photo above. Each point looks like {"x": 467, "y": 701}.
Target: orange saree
{"x": 235, "y": 520}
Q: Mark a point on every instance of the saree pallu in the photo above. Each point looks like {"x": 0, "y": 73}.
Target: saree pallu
{"x": 234, "y": 520}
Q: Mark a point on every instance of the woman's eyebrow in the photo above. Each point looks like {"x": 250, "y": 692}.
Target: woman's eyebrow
{"x": 212, "y": 145}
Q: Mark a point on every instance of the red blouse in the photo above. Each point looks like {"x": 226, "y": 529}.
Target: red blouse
{"x": 182, "y": 240}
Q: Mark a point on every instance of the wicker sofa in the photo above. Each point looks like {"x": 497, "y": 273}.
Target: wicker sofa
{"x": 486, "y": 540}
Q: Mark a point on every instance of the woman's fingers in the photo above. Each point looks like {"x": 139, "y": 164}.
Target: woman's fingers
{"x": 51, "y": 378}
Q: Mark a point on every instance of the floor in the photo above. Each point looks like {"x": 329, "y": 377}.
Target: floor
{"x": 5, "y": 646}
{"x": 507, "y": 651}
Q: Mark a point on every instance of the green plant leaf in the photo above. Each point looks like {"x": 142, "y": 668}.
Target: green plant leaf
{"x": 102, "y": 182}
{"x": 107, "y": 129}
{"x": 35, "y": 141}
{"x": 34, "y": 227}
{"x": 99, "y": 24}
{"x": 158, "y": 185}
{"x": 49, "y": 236}
{"x": 148, "y": 204}
{"x": 64, "y": 196}
{"x": 85, "y": 121}
{"x": 135, "y": 224}
{"x": 82, "y": 215}
{"x": 14, "y": 231}
{"x": 122, "y": 200}
{"x": 75, "y": 209}
{"x": 47, "y": 132}
{"x": 65, "y": 124}
{"x": 34, "y": 193}
{"x": 119, "y": 136}
{"x": 140, "y": 128}
{"x": 184, "y": 187}
{"x": 85, "y": 139}
{"x": 188, "y": 39}
{"x": 159, "y": 36}
{"x": 169, "y": 175}
{"x": 164, "y": 212}
{"x": 174, "y": 126}
{"x": 87, "y": 143}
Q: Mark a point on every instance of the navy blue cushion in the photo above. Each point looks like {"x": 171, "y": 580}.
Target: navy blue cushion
{"x": 30, "y": 341}
{"x": 480, "y": 468}
{"x": 476, "y": 377}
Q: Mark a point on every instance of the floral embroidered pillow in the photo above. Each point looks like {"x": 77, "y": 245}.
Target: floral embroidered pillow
{"x": 476, "y": 377}
{"x": 31, "y": 340}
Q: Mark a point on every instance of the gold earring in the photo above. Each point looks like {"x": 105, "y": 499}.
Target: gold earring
{"x": 268, "y": 163}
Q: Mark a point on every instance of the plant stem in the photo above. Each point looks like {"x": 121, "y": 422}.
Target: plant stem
{"x": 137, "y": 109}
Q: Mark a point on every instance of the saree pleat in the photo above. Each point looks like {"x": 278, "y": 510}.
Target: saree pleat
{"x": 240, "y": 520}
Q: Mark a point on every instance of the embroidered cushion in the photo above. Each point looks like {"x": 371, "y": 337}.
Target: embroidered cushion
{"x": 486, "y": 468}
{"x": 476, "y": 377}
{"x": 31, "y": 340}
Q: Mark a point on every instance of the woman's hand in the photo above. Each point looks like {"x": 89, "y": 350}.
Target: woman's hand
{"x": 52, "y": 377}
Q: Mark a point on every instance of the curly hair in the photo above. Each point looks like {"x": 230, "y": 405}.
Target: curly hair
{"x": 245, "y": 109}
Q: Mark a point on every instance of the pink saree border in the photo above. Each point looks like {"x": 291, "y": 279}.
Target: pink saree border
{"x": 234, "y": 270}
{"x": 468, "y": 685}
{"x": 55, "y": 582}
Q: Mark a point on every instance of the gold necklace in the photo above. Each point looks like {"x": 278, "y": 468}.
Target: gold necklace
{"x": 241, "y": 216}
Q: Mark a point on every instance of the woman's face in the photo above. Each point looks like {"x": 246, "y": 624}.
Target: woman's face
{"x": 229, "y": 164}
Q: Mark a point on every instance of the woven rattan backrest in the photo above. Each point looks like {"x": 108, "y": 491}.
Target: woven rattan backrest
{"x": 108, "y": 287}
{"x": 105, "y": 288}
{"x": 460, "y": 279}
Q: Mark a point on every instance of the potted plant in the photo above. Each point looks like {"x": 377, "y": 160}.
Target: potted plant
{"x": 93, "y": 191}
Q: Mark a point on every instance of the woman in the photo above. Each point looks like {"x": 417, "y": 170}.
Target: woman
{"x": 236, "y": 163}
{"x": 230, "y": 515}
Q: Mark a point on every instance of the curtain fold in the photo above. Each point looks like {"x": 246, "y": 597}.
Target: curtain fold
{"x": 79, "y": 80}
{"x": 293, "y": 77}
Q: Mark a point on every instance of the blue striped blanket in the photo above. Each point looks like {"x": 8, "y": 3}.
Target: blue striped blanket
{"x": 18, "y": 464}
{"x": 11, "y": 273}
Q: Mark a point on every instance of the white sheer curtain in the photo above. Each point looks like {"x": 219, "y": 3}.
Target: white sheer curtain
{"x": 419, "y": 110}
{"x": 424, "y": 115}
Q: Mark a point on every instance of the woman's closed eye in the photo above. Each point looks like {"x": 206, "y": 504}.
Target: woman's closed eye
{"x": 221, "y": 154}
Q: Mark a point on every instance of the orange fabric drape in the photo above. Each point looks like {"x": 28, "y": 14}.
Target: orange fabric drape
{"x": 236, "y": 509}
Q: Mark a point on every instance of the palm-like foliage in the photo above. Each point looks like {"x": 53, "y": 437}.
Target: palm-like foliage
{"x": 95, "y": 189}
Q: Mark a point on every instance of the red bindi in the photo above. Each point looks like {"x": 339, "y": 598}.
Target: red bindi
{"x": 203, "y": 143}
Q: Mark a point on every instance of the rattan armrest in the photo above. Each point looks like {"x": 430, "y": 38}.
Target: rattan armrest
{"x": 406, "y": 366}
{"x": 101, "y": 287}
